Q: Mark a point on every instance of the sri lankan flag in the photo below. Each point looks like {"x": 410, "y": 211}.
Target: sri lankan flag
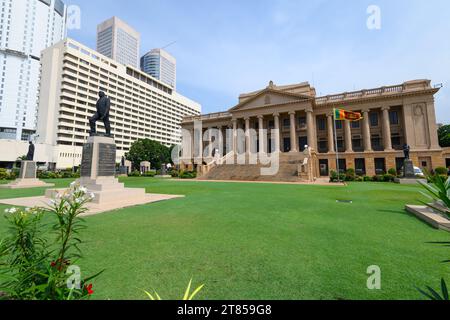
{"x": 340, "y": 114}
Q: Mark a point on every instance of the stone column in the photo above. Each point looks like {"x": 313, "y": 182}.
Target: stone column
{"x": 330, "y": 127}
{"x": 277, "y": 142}
{"x": 209, "y": 141}
{"x": 348, "y": 136}
{"x": 367, "y": 138}
{"x": 220, "y": 141}
{"x": 234, "y": 139}
{"x": 386, "y": 129}
{"x": 293, "y": 132}
{"x": 261, "y": 136}
{"x": 311, "y": 129}
{"x": 432, "y": 127}
{"x": 247, "y": 135}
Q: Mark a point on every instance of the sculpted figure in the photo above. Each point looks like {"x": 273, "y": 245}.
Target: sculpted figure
{"x": 103, "y": 107}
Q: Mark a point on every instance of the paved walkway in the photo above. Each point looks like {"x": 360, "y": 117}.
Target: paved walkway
{"x": 42, "y": 201}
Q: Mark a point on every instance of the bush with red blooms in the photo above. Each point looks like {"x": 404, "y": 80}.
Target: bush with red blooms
{"x": 34, "y": 268}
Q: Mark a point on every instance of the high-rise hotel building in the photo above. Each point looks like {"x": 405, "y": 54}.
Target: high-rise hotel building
{"x": 26, "y": 28}
{"x": 141, "y": 106}
{"x": 118, "y": 41}
{"x": 161, "y": 65}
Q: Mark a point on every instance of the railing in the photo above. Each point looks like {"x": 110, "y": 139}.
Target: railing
{"x": 359, "y": 94}
{"x": 216, "y": 115}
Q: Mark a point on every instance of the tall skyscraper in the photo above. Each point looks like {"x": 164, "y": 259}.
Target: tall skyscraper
{"x": 27, "y": 27}
{"x": 118, "y": 41}
{"x": 161, "y": 65}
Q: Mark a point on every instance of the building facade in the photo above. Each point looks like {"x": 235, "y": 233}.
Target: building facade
{"x": 161, "y": 65}
{"x": 392, "y": 117}
{"x": 141, "y": 106}
{"x": 118, "y": 41}
{"x": 27, "y": 27}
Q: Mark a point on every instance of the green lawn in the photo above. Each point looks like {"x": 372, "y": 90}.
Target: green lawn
{"x": 262, "y": 241}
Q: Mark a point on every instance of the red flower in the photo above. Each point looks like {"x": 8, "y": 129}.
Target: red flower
{"x": 53, "y": 264}
{"x": 89, "y": 289}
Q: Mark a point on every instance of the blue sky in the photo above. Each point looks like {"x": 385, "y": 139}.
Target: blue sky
{"x": 226, "y": 47}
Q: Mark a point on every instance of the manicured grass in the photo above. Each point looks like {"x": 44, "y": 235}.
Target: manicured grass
{"x": 262, "y": 241}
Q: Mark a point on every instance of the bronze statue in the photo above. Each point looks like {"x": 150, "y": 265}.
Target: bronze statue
{"x": 406, "y": 151}
{"x": 30, "y": 154}
{"x": 103, "y": 107}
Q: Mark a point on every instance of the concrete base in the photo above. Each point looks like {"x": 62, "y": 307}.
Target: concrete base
{"x": 93, "y": 208}
{"x": 409, "y": 180}
{"x": 26, "y": 184}
{"x": 429, "y": 216}
{"x": 108, "y": 192}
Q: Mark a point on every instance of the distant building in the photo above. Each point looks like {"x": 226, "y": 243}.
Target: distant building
{"x": 27, "y": 27}
{"x": 141, "y": 106}
{"x": 118, "y": 41}
{"x": 161, "y": 65}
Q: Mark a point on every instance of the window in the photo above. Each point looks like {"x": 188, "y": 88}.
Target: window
{"x": 339, "y": 124}
{"x": 396, "y": 140}
{"x": 393, "y": 117}
{"x": 302, "y": 122}
{"x": 380, "y": 166}
{"x": 286, "y": 123}
{"x": 376, "y": 142}
{"x": 321, "y": 124}
{"x": 360, "y": 166}
{"x": 355, "y": 124}
{"x": 373, "y": 117}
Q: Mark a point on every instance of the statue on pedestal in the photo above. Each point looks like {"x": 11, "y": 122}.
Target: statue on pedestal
{"x": 103, "y": 107}
{"x": 406, "y": 151}
{"x": 30, "y": 154}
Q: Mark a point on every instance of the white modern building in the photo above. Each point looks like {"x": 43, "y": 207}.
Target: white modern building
{"x": 26, "y": 28}
{"x": 141, "y": 106}
{"x": 161, "y": 65}
{"x": 118, "y": 41}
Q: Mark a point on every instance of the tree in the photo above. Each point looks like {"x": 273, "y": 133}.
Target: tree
{"x": 444, "y": 136}
{"x": 149, "y": 150}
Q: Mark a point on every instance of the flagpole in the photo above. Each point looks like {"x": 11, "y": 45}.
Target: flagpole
{"x": 337, "y": 148}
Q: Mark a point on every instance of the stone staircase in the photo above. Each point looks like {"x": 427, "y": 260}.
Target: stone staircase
{"x": 288, "y": 170}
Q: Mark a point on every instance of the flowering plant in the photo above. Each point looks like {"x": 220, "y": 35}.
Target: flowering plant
{"x": 34, "y": 268}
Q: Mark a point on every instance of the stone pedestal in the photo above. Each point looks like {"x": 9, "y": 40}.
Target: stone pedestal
{"x": 98, "y": 166}
{"x": 409, "y": 176}
{"x": 408, "y": 169}
{"x": 27, "y": 178}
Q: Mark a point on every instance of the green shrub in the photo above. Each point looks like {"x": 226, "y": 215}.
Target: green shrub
{"x": 150, "y": 174}
{"x": 174, "y": 173}
{"x": 134, "y": 173}
{"x": 188, "y": 174}
{"x": 388, "y": 178}
{"x": 350, "y": 175}
{"x": 35, "y": 268}
{"x": 441, "y": 171}
{"x": 359, "y": 179}
{"x": 392, "y": 172}
{"x": 367, "y": 179}
{"x": 378, "y": 178}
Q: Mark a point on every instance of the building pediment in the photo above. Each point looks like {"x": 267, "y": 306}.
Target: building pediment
{"x": 269, "y": 97}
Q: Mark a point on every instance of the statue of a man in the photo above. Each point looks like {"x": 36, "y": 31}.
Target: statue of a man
{"x": 103, "y": 106}
{"x": 122, "y": 162}
{"x": 30, "y": 154}
{"x": 406, "y": 151}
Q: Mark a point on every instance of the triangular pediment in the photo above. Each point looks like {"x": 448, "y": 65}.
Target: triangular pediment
{"x": 269, "y": 97}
